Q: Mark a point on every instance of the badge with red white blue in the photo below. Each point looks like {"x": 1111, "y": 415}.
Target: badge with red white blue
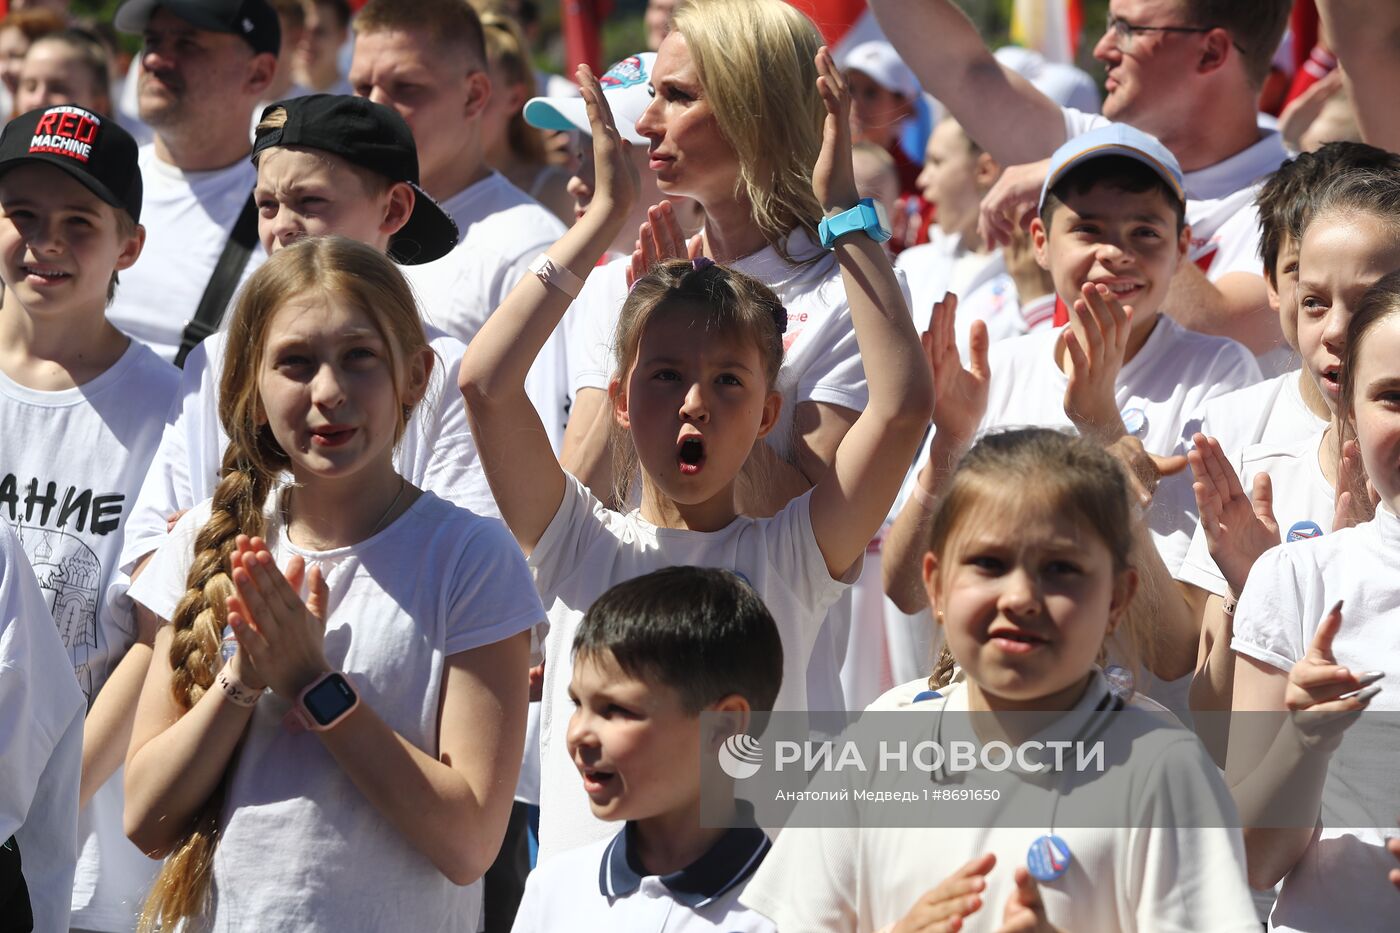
{"x": 1049, "y": 858}
{"x": 1302, "y": 530}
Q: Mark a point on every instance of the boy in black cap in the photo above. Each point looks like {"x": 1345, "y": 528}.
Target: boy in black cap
{"x": 85, "y": 407}
{"x": 327, "y": 164}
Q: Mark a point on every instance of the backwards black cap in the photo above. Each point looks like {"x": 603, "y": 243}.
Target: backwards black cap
{"x": 253, "y": 20}
{"x": 374, "y": 137}
{"x": 93, "y": 149}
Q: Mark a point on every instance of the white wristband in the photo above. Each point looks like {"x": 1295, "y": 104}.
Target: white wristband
{"x": 238, "y": 693}
{"x": 552, "y": 273}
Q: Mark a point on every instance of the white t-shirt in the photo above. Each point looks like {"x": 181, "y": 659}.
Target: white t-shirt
{"x": 1161, "y": 872}
{"x": 67, "y": 494}
{"x": 588, "y": 548}
{"x": 1340, "y": 881}
{"x": 502, "y": 229}
{"x": 985, "y": 290}
{"x": 188, "y": 217}
{"x": 436, "y": 451}
{"x": 1304, "y": 504}
{"x": 394, "y": 619}
{"x": 1269, "y": 412}
{"x": 821, "y": 361}
{"x": 1160, "y": 391}
{"x": 41, "y": 740}
{"x": 600, "y": 888}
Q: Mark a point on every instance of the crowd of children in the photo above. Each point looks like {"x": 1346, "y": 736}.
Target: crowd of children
{"x": 424, "y": 593}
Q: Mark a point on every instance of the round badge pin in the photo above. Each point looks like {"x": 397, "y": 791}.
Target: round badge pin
{"x": 926, "y": 695}
{"x": 1134, "y": 421}
{"x": 1049, "y": 858}
{"x": 1120, "y": 680}
{"x": 1303, "y": 530}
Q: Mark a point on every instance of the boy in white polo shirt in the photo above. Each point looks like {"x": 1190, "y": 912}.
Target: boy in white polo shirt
{"x": 651, "y": 655}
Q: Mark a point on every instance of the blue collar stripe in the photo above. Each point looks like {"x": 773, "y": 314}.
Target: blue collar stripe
{"x": 736, "y": 855}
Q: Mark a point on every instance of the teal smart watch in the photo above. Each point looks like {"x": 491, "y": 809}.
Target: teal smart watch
{"x": 868, "y": 215}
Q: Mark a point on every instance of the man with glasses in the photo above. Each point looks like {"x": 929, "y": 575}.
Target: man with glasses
{"x": 1186, "y": 71}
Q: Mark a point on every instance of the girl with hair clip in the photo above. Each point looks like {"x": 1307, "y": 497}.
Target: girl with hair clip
{"x": 360, "y": 700}
{"x": 1028, "y": 568}
{"x": 1314, "y": 634}
{"x": 699, "y": 349}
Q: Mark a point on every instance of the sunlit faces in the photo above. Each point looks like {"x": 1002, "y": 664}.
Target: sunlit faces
{"x": 636, "y": 748}
{"x": 60, "y": 243}
{"x": 1342, "y": 255}
{"x": 328, "y": 387}
{"x": 1143, "y": 85}
{"x": 53, "y": 74}
{"x": 1376, "y": 407}
{"x": 1125, "y": 240}
{"x": 435, "y": 94}
{"x": 188, "y": 74}
{"x": 1026, "y": 595}
{"x": 315, "y": 55}
{"x": 311, "y": 192}
{"x": 952, "y": 178}
{"x": 688, "y": 153}
{"x": 695, "y": 401}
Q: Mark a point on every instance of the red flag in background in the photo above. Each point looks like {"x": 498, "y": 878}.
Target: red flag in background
{"x": 583, "y": 38}
{"x": 833, "y": 17}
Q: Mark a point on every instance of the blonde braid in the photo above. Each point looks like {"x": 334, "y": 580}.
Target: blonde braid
{"x": 182, "y": 889}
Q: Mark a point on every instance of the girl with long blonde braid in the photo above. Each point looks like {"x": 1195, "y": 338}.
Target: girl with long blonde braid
{"x": 370, "y": 697}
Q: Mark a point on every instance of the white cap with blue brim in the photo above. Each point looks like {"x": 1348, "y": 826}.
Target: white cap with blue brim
{"x": 627, "y": 86}
{"x": 1116, "y": 139}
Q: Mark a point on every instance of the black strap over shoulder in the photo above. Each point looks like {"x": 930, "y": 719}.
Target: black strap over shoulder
{"x": 222, "y": 282}
{"x": 15, "y": 914}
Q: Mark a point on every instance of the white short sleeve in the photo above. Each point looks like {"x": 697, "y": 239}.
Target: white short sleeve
{"x": 493, "y": 596}
{"x": 163, "y": 583}
{"x": 1077, "y": 122}
{"x": 1185, "y": 854}
{"x": 576, "y": 529}
{"x": 809, "y": 883}
{"x": 1268, "y": 625}
{"x": 41, "y": 740}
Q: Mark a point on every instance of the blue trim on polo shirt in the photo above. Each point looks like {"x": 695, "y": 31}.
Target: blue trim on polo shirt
{"x": 736, "y": 855}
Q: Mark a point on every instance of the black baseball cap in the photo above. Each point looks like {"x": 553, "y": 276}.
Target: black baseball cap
{"x": 92, "y": 148}
{"x": 374, "y": 137}
{"x": 253, "y": 20}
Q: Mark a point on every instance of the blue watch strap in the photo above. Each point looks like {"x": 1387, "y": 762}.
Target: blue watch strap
{"x": 865, "y": 216}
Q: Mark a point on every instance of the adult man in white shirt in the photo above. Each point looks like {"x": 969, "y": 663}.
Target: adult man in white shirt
{"x": 427, "y": 60}
{"x": 1186, "y": 71}
{"x": 204, "y": 65}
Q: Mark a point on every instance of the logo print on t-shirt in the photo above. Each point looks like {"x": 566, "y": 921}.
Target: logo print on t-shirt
{"x": 1135, "y": 421}
{"x": 70, "y": 575}
{"x": 1302, "y": 530}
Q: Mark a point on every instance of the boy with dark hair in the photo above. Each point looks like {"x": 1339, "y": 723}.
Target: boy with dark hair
{"x": 650, "y": 656}
{"x": 84, "y": 406}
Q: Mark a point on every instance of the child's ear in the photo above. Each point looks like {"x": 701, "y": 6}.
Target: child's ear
{"x": 1183, "y": 242}
{"x": 617, "y": 395}
{"x": 736, "y": 713}
{"x": 1125, "y": 586}
{"x": 772, "y": 408}
{"x": 398, "y": 208}
{"x": 418, "y": 375}
{"x": 131, "y": 249}
{"x": 1271, "y": 289}
{"x": 986, "y": 171}
{"x": 931, "y": 582}
{"x": 1040, "y": 242}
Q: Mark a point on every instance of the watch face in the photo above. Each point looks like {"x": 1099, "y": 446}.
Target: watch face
{"x": 332, "y": 697}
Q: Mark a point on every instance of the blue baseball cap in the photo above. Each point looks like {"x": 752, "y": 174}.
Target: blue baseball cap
{"x": 626, "y": 85}
{"x": 1116, "y": 139}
